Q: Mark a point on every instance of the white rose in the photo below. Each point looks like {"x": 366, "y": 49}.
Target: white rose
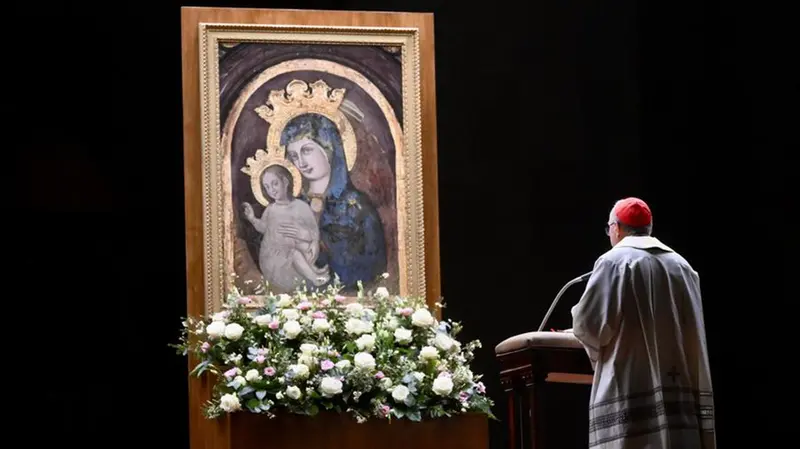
{"x": 229, "y": 402}
{"x": 381, "y": 293}
{"x": 290, "y": 314}
{"x": 386, "y": 383}
{"x": 400, "y": 393}
{"x": 366, "y": 342}
{"x": 330, "y": 386}
{"x": 364, "y": 360}
{"x": 422, "y": 318}
{"x": 216, "y": 329}
{"x": 220, "y": 316}
{"x": 252, "y": 375}
{"x": 356, "y": 326}
{"x": 292, "y": 329}
{"x": 233, "y": 331}
{"x": 343, "y": 364}
{"x": 308, "y": 348}
{"x": 418, "y": 375}
{"x": 238, "y": 382}
{"x": 443, "y": 342}
{"x": 391, "y": 323}
{"x": 262, "y": 320}
{"x": 402, "y": 335}
{"x": 306, "y": 360}
{"x": 284, "y": 300}
{"x": 354, "y": 309}
{"x": 429, "y": 353}
{"x": 442, "y": 386}
{"x": 294, "y": 392}
{"x": 321, "y": 325}
{"x": 299, "y": 370}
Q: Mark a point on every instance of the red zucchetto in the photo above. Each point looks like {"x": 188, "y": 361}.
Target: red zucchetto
{"x": 633, "y": 212}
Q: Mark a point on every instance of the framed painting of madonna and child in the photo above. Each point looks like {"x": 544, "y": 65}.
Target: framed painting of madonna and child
{"x": 314, "y": 160}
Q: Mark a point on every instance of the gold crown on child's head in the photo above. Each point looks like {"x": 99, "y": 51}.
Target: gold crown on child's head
{"x": 263, "y": 160}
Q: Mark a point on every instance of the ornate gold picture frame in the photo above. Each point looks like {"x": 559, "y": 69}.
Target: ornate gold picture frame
{"x": 315, "y": 158}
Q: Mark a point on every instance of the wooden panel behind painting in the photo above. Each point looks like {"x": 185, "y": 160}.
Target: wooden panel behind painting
{"x": 215, "y": 434}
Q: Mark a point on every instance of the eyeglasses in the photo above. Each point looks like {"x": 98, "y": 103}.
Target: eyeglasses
{"x": 608, "y": 227}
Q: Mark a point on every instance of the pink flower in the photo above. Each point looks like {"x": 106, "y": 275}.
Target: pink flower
{"x": 385, "y": 410}
{"x": 274, "y": 325}
{"x": 326, "y": 365}
{"x": 379, "y": 375}
{"x": 305, "y": 305}
{"x": 260, "y": 359}
{"x": 232, "y": 372}
{"x": 463, "y": 396}
{"x": 408, "y": 311}
{"x": 244, "y": 300}
{"x": 261, "y": 351}
{"x": 318, "y": 315}
{"x": 205, "y": 347}
{"x": 445, "y": 374}
{"x": 339, "y": 298}
{"x": 269, "y": 371}
{"x": 325, "y": 302}
{"x": 480, "y": 387}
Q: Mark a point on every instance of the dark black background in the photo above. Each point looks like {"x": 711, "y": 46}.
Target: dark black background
{"x": 547, "y": 113}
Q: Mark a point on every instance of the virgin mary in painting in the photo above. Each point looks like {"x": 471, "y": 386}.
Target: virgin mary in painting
{"x": 352, "y": 241}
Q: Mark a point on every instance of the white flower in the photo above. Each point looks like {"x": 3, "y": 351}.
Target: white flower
{"x": 290, "y": 314}
{"x": 366, "y": 342}
{"x": 216, "y": 329}
{"x": 386, "y": 383}
{"x": 229, "y": 402}
{"x": 220, "y": 316}
{"x": 308, "y": 348}
{"x": 330, "y": 386}
{"x": 385, "y": 275}
{"x": 364, "y": 360}
{"x": 391, "y": 323}
{"x": 402, "y": 335}
{"x": 294, "y": 392}
{"x": 356, "y": 326}
{"x": 418, "y": 375}
{"x": 343, "y": 364}
{"x": 400, "y": 393}
{"x": 252, "y": 375}
{"x": 306, "y": 360}
{"x": 299, "y": 370}
{"x": 428, "y": 353}
{"x": 381, "y": 293}
{"x": 442, "y": 385}
{"x": 354, "y": 309}
{"x": 262, "y": 320}
{"x": 279, "y": 395}
{"x": 233, "y": 331}
{"x": 321, "y": 325}
{"x": 422, "y": 318}
{"x": 238, "y": 382}
{"x": 284, "y": 300}
{"x": 463, "y": 375}
{"x": 443, "y": 342}
{"x": 292, "y": 329}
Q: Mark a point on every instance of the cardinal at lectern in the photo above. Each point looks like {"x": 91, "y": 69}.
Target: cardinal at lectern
{"x": 641, "y": 322}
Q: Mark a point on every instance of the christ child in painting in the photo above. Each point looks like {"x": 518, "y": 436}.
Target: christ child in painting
{"x": 290, "y": 242}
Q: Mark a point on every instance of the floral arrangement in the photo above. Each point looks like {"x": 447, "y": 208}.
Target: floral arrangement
{"x": 375, "y": 356}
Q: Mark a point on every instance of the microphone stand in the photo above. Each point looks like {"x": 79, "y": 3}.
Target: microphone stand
{"x": 580, "y": 278}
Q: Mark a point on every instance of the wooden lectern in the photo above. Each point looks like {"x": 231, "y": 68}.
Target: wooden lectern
{"x": 527, "y": 363}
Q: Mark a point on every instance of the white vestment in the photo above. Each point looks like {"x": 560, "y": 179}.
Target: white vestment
{"x": 641, "y": 323}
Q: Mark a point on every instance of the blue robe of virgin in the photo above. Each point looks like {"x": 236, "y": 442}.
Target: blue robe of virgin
{"x": 352, "y": 242}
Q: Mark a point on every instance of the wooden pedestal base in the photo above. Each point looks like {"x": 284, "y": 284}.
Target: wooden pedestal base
{"x": 341, "y": 431}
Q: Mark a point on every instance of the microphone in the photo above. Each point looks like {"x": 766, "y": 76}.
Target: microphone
{"x": 580, "y": 278}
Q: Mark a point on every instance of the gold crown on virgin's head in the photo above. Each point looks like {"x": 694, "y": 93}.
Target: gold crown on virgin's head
{"x": 263, "y": 160}
{"x": 298, "y": 98}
